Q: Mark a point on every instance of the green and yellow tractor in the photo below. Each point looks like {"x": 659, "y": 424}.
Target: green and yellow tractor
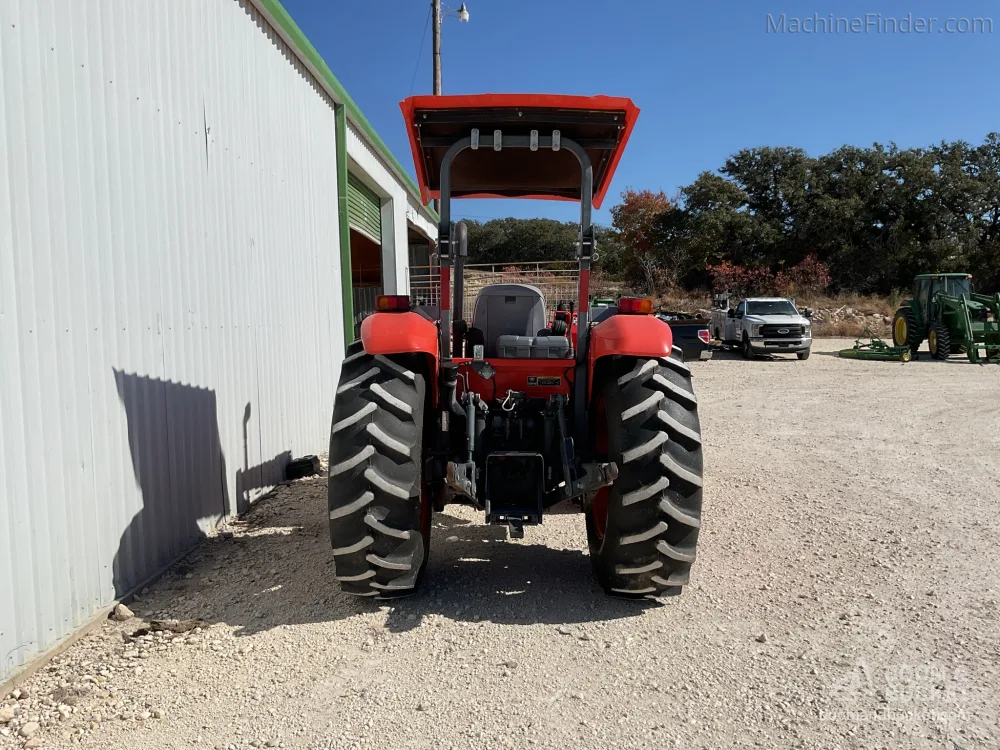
{"x": 946, "y": 311}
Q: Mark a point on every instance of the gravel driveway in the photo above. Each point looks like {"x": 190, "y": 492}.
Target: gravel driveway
{"x": 845, "y": 596}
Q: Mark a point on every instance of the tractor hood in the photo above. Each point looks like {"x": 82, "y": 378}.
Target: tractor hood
{"x": 795, "y": 320}
{"x": 600, "y": 124}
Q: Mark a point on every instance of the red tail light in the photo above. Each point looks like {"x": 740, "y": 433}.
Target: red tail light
{"x": 703, "y": 335}
{"x": 635, "y": 306}
{"x": 395, "y": 303}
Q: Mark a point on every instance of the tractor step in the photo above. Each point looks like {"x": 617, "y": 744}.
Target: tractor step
{"x": 515, "y": 486}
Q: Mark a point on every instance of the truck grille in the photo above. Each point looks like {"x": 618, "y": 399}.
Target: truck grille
{"x": 781, "y": 331}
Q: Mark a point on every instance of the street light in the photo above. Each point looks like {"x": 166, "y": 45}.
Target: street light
{"x": 463, "y": 15}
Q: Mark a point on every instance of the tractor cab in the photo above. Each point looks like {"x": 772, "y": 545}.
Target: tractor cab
{"x": 927, "y": 286}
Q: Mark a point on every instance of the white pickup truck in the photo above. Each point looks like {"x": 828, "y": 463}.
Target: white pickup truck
{"x": 763, "y": 325}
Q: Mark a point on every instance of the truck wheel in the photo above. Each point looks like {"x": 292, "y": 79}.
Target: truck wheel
{"x": 939, "y": 340}
{"x": 905, "y": 331}
{"x": 643, "y": 529}
{"x": 379, "y": 511}
{"x": 803, "y": 355}
{"x": 745, "y": 347}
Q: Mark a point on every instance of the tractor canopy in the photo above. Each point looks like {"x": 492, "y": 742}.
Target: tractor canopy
{"x": 601, "y": 125}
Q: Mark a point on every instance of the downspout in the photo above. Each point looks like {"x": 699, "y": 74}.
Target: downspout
{"x": 346, "y": 287}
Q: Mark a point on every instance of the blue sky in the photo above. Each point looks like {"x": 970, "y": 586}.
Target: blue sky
{"x": 709, "y": 77}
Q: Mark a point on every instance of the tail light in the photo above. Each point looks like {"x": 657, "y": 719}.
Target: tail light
{"x": 703, "y": 335}
{"x": 635, "y": 306}
{"x": 393, "y": 303}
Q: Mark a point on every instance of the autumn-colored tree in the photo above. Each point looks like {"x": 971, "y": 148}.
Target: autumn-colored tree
{"x": 636, "y": 216}
{"x": 638, "y": 220}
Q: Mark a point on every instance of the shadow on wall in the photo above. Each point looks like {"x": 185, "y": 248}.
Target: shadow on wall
{"x": 180, "y": 467}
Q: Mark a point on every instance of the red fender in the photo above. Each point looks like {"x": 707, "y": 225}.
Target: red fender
{"x": 632, "y": 335}
{"x": 403, "y": 333}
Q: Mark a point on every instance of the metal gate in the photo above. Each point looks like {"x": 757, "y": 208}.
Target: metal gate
{"x": 364, "y": 305}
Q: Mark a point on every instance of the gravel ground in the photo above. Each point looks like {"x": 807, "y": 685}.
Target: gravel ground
{"x": 845, "y": 596}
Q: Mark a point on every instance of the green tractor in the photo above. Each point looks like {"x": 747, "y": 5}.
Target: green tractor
{"x": 951, "y": 317}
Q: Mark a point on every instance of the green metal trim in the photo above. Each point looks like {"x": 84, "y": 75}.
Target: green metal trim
{"x": 305, "y": 47}
{"x": 346, "y": 288}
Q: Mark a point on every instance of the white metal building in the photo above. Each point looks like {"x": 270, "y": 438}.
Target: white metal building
{"x": 183, "y": 185}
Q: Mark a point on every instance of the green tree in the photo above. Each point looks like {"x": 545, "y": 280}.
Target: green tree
{"x": 511, "y": 241}
{"x": 984, "y": 254}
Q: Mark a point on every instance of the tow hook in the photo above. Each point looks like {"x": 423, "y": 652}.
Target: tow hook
{"x": 594, "y": 477}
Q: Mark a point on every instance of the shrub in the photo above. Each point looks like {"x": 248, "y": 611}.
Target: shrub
{"x": 811, "y": 276}
{"x": 741, "y": 281}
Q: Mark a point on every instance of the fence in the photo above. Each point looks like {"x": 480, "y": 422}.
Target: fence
{"x": 364, "y": 305}
{"x": 557, "y": 281}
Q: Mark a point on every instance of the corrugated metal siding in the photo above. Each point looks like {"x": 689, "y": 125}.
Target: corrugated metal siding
{"x": 364, "y": 209}
{"x": 168, "y": 245}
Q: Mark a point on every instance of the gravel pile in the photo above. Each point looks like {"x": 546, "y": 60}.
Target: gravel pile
{"x": 845, "y": 596}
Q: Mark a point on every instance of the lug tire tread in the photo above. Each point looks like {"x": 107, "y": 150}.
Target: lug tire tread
{"x": 378, "y": 528}
{"x": 654, "y": 506}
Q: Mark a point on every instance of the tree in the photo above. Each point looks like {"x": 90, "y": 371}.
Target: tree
{"x": 610, "y": 252}
{"x": 863, "y": 219}
{"x": 639, "y": 221}
{"x": 984, "y": 255}
{"x": 511, "y": 241}
{"x": 714, "y": 225}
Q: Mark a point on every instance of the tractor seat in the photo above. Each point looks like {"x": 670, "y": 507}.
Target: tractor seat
{"x": 504, "y": 310}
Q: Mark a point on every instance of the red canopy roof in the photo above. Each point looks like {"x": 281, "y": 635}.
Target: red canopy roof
{"x": 601, "y": 124}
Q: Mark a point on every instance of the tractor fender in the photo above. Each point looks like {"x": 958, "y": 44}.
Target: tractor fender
{"x": 402, "y": 333}
{"x": 631, "y": 335}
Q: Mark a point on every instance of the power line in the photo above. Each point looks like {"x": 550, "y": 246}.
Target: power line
{"x": 416, "y": 65}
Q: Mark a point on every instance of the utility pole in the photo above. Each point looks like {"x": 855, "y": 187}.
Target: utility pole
{"x": 463, "y": 15}
{"x": 436, "y": 20}
{"x": 436, "y": 12}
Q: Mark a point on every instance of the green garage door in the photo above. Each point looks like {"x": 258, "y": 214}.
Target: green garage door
{"x": 364, "y": 209}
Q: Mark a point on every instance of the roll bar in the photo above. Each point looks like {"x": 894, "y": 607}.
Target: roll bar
{"x": 586, "y": 244}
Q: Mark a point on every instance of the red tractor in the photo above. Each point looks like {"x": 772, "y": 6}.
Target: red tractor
{"x": 514, "y": 411}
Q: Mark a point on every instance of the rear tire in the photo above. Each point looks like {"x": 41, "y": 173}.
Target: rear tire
{"x": 939, "y": 340}
{"x": 643, "y": 533}
{"x": 905, "y": 331}
{"x": 379, "y": 518}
